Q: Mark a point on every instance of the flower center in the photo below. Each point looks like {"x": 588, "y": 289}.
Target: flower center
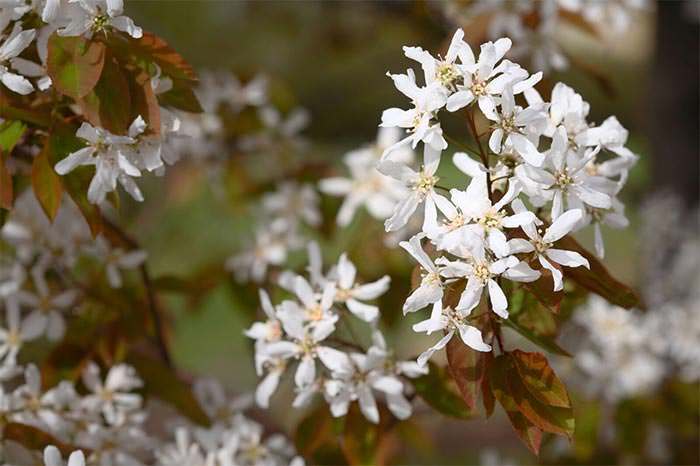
{"x": 563, "y": 179}
{"x": 14, "y": 339}
{"x": 446, "y": 74}
{"x": 314, "y": 313}
{"x": 431, "y": 278}
{"x": 308, "y": 347}
{"x": 456, "y": 222}
{"x": 491, "y": 219}
{"x": 274, "y": 330}
{"x": 478, "y": 88}
{"x": 100, "y": 22}
{"x": 341, "y": 294}
{"x": 425, "y": 183}
{"x": 507, "y": 124}
{"x": 482, "y": 272}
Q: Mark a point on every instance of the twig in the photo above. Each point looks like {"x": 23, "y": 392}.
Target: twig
{"x": 153, "y": 311}
{"x": 482, "y": 153}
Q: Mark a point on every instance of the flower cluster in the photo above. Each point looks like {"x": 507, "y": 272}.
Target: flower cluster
{"x": 306, "y": 332}
{"x": 545, "y": 172}
{"x": 279, "y": 230}
{"x": 623, "y": 354}
{"x": 536, "y": 25}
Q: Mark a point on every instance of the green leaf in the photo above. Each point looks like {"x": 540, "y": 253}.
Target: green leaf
{"x": 75, "y": 64}
{"x": 498, "y": 380}
{"x": 108, "y": 105}
{"x": 163, "y": 383}
{"x": 597, "y": 279}
{"x": 544, "y": 342}
{"x": 540, "y": 380}
{"x": 10, "y": 134}
{"x": 181, "y": 97}
{"x": 436, "y": 390}
{"x": 46, "y": 183}
{"x": 467, "y": 368}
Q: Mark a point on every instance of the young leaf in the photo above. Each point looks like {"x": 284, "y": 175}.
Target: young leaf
{"x": 316, "y": 440}
{"x": 144, "y": 101}
{"x": 33, "y": 438}
{"x": 10, "y": 134}
{"x": 162, "y": 382}
{"x": 365, "y": 443}
{"x": 597, "y": 279}
{"x": 75, "y": 64}
{"x": 526, "y": 430}
{"x": 108, "y": 105}
{"x": 13, "y": 107}
{"x": 434, "y": 388}
{"x": 487, "y": 397}
{"x": 543, "y": 290}
{"x": 540, "y": 380}
{"x": 545, "y": 417}
{"x": 181, "y": 97}
{"x": 46, "y": 183}
{"x": 467, "y": 368}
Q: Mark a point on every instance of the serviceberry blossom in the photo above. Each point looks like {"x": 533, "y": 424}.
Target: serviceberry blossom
{"x": 10, "y": 47}
{"x": 112, "y": 397}
{"x": 52, "y": 457}
{"x": 16, "y": 332}
{"x": 88, "y": 17}
{"x": 366, "y": 186}
{"x": 115, "y": 259}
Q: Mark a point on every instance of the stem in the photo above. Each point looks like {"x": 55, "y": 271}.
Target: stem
{"x": 153, "y": 310}
{"x": 482, "y": 153}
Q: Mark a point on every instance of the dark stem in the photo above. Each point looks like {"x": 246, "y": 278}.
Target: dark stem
{"x": 153, "y": 310}
{"x": 482, "y": 153}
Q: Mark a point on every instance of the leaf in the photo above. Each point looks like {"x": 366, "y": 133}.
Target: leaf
{"x": 487, "y": 397}
{"x": 544, "y": 342}
{"x": 540, "y": 380}
{"x": 598, "y": 279}
{"x": 153, "y": 49}
{"x": 10, "y": 134}
{"x": 364, "y": 443}
{"x": 75, "y": 64}
{"x": 108, "y": 105}
{"x": 467, "y": 368}
{"x": 13, "y": 108}
{"x": 526, "y": 430}
{"x": 62, "y": 142}
{"x": 545, "y": 417}
{"x": 578, "y": 21}
{"x": 181, "y": 97}
{"x": 33, "y": 438}
{"x": 434, "y": 388}
{"x": 162, "y": 382}
{"x": 144, "y": 101}
{"x": 543, "y": 290}
{"x": 315, "y": 438}
{"x": 46, "y": 183}
{"x": 6, "y": 189}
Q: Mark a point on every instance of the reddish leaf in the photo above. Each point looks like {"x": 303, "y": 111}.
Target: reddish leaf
{"x": 437, "y": 389}
{"x": 75, "y": 64}
{"x": 108, "y": 105}
{"x": 467, "y": 368}
{"x": 33, "y": 438}
{"x": 547, "y": 418}
{"x": 540, "y": 380}
{"x": 46, "y": 183}
{"x": 578, "y": 21}
{"x": 487, "y": 397}
{"x": 153, "y": 49}
{"x": 144, "y": 101}
{"x": 13, "y": 107}
{"x": 598, "y": 279}
{"x": 6, "y": 190}
{"x": 498, "y": 380}
{"x": 315, "y": 437}
{"x": 544, "y": 342}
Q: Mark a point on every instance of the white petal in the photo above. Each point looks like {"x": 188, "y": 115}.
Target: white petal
{"x": 562, "y": 225}
{"x": 499, "y": 303}
{"x": 567, "y": 258}
{"x": 471, "y": 336}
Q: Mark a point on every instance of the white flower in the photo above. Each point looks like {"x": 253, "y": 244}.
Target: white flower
{"x": 52, "y": 457}
{"x": 116, "y": 259}
{"x": 512, "y": 126}
{"x": 46, "y": 307}
{"x": 420, "y": 185}
{"x": 417, "y": 120}
{"x": 16, "y": 332}
{"x": 563, "y": 178}
{"x": 111, "y": 164}
{"x": 145, "y": 150}
{"x": 293, "y": 201}
{"x": 97, "y": 16}
{"x": 11, "y": 47}
{"x": 430, "y": 289}
{"x": 352, "y": 294}
{"x": 113, "y": 397}
{"x": 541, "y": 243}
{"x": 305, "y": 346}
{"x": 271, "y": 329}
{"x": 367, "y": 186}
{"x": 449, "y": 321}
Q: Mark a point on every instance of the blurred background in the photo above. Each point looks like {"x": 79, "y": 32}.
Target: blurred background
{"x": 331, "y": 58}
